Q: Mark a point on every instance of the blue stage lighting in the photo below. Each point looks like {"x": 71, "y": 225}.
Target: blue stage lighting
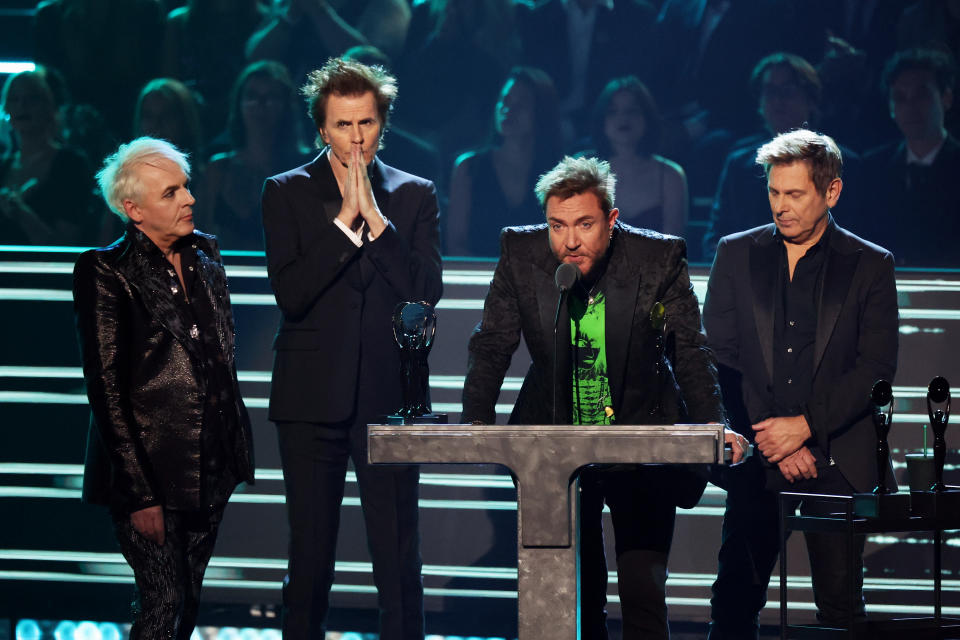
{"x": 28, "y": 629}
{"x": 65, "y": 630}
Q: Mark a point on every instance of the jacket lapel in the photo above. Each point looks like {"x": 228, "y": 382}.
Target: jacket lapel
{"x": 328, "y": 192}
{"x": 621, "y": 290}
{"x": 837, "y": 276}
{"x": 150, "y": 275}
{"x": 764, "y": 271}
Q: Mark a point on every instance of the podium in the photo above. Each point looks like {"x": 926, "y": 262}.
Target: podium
{"x": 544, "y": 461}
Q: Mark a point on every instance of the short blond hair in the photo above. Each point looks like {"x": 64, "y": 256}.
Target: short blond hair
{"x": 118, "y": 179}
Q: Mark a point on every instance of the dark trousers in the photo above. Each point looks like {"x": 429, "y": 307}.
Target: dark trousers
{"x": 168, "y": 577}
{"x": 314, "y": 459}
{"x": 643, "y": 518}
{"x": 751, "y": 544}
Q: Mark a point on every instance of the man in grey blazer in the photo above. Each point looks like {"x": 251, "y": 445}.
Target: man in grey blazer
{"x": 347, "y": 239}
{"x": 802, "y": 315}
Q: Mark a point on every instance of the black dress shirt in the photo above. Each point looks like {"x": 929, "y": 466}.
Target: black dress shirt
{"x": 795, "y": 330}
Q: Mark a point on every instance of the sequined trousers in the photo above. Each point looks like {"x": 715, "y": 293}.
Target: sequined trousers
{"x": 168, "y": 577}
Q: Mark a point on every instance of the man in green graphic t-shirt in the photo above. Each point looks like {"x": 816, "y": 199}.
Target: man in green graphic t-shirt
{"x": 615, "y": 367}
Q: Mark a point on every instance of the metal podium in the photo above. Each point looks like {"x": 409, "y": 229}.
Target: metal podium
{"x": 544, "y": 461}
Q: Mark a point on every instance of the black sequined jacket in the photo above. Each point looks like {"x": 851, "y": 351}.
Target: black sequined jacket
{"x": 144, "y": 375}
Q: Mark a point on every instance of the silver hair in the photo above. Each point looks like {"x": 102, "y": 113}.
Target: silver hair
{"x": 119, "y": 180}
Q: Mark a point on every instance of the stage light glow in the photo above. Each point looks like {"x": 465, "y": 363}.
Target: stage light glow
{"x": 65, "y": 630}
{"x": 28, "y": 629}
{"x": 87, "y": 630}
{"x": 110, "y": 631}
{"x": 16, "y": 66}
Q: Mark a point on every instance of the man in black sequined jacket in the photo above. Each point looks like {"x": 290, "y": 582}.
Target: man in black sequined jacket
{"x": 169, "y": 437}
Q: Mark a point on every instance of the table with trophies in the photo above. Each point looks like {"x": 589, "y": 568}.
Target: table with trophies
{"x": 934, "y": 508}
{"x": 544, "y": 461}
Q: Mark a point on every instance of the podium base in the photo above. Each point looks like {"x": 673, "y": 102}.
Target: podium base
{"x": 933, "y": 504}
{"x": 886, "y": 506}
{"x": 427, "y": 418}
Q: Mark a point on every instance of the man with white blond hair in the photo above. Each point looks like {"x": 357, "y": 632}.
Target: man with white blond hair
{"x": 169, "y": 436}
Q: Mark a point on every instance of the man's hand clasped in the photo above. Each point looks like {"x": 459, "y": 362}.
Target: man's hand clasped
{"x": 780, "y": 440}
{"x": 358, "y": 200}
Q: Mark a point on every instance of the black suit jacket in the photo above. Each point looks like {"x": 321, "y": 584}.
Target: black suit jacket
{"x": 337, "y": 299}
{"x": 855, "y": 345}
{"x": 914, "y": 210}
{"x": 145, "y": 377}
{"x": 644, "y": 267}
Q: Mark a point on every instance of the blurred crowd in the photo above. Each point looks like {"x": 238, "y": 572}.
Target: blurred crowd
{"x": 676, "y": 94}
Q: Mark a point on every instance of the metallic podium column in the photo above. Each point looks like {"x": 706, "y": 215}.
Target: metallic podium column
{"x": 544, "y": 461}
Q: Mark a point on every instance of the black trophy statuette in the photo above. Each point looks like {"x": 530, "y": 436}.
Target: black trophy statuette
{"x": 938, "y": 393}
{"x": 414, "y": 326}
{"x": 882, "y": 396}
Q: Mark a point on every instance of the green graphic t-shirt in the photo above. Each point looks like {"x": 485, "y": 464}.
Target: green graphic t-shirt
{"x": 591, "y": 388}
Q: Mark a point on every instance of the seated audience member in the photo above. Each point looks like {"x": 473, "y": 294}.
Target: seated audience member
{"x": 106, "y": 50}
{"x": 46, "y": 187}
{"x": 203, "y": 46}
{"x": 492, "y": 187}
{"x": 787, "y": 89}
{"x": 932, "y": 24}
{"x": 626, "y": 130}
{"x": 265, "y": 137}
{"x": 916, "y": 213}
{"x": 306, "y": 32}
{"x": 457, "y": 54}
{"x": 167, "y": 109}
{"x": 582, "y": 45}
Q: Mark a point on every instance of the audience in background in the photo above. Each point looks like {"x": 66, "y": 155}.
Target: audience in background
{"x": 106, "y": 50}
{"x": 264, "y": 138}
{"x": 46, "y": 187}
{"x": 582, "y": 45}
{"x": 456, "y": 56}
{"x": 914, "y": 211}
{"x": 492, "y": 187}
{"x": 167, "y": 109}
{"x": 451, "y": 56}
{"x": 651, "y": 190}
{"x": 306, "y": 32}
{"x": 203, "y": 47}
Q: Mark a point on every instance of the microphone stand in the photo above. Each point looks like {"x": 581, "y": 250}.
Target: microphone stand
{"x": 556, "y": 353}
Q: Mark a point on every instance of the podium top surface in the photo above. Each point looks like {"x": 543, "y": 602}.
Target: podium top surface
{"x": 549, "y": 430}
{"x": 558, "y": 446}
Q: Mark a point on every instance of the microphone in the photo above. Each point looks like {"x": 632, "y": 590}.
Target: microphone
{"x": 566, "y": 276}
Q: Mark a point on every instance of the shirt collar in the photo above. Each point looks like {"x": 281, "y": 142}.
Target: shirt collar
{"x": 928, "y": 159}
{"x": 824, "y": 239}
